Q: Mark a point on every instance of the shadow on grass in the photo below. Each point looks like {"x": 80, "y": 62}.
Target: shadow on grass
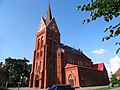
{"x": 3, "y": 88}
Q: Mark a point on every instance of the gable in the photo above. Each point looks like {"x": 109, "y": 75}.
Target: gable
{"x": 53, "y": 26}
{"x": 70, "y": 65}
{"x": 42, "y": 25}
{"x": 118, "y": 72}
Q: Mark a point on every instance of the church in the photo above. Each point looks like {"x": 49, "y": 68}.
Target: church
{"x": 57, "y": 63}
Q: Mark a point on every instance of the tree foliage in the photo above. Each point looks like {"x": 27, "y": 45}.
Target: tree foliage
{"x": 16, "y": 70}
{"x": 113, "y": 80}
{"x": 107, "y": 9}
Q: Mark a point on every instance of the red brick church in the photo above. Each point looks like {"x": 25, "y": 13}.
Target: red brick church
{"x": 57, "y": 63}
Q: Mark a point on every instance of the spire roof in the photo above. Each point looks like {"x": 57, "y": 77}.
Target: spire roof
{"x": 48, "y": 15}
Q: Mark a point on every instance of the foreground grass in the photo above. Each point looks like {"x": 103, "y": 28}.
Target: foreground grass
{"x": 3, "y": 88}
{"x": 107, "y": 88}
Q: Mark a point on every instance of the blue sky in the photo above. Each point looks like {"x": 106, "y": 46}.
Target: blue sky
{"x": 19, "y": 20}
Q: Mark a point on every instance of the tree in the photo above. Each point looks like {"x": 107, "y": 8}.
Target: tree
{"x": 108, "y": 9}
{"x": 17, "y": 70}
{"x": 113, "y": 79}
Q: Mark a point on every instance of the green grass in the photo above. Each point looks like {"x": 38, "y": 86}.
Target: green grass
{"x": 3, "y": 88}
{"x": 107, "y": 88}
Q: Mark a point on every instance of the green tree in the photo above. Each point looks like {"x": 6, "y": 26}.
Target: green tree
{"x": 107, "y": 9}
{"x": 17, "y": 70}
{"x": 113, "y": 79}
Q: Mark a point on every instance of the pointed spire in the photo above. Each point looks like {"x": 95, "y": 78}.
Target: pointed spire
{"x": 48, "y": 15}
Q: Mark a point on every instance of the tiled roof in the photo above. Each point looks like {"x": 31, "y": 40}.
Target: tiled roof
{"x": 72, "y": 50}
{"x": 48, "y": 15}
{"x": 68, "y": 65}
{"x": 118, "y": 72}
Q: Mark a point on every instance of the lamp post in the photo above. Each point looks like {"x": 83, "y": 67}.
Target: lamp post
{"x": 19, "y": 84}
{"x": 21, "y": 77}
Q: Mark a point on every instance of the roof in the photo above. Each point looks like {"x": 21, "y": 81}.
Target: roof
{"x": 99, "y": 66}
{"x": 48, "y": 15}
{"x": 118, "y": 72}
{"x": 72, "y": 50}
{"x": 68, "y": 65}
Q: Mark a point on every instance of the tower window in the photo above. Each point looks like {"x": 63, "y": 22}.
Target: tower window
{"x": 50, "y": 42}
{"x": 55, "y": 44}
{"x": 42, "y": 41}
{"x": 38, "y": 45}
{"x": 40, "y": 65}
{"x": 37, "y": 54}
{"x": 41, "y": 53}
{"x": 36, "y": 66}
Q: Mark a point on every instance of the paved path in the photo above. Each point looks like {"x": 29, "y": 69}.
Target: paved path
{"x": 90, "y": 88}
{"x": 25, "y": 88}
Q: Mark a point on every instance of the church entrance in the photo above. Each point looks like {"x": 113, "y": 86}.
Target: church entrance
{"x": 71, "y": 79}
{"x": 71, "y": 82}
{"x": 37, "y": 83}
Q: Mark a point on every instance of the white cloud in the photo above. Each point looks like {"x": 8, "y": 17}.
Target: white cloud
{"x": 99, "y": 51}
{"x": 114, "y": 65}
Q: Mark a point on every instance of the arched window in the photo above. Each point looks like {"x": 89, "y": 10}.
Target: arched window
{"x": 41, "y": 52}
{"x": 37, "y": 54}
{"x": 37, "y": 66}
{"x": 38, "y": 45}
{"x": 55, "y": 44}
{"x": 42, "y": 41}
{"x": 70, "y": 60}
{"x": 40, "y": 66}
{"x": 80, "y": 63}
{"x": 50, "y": 42}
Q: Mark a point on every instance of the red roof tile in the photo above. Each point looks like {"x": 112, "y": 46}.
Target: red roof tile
{"x": 68, "y": 65}
{"x": 118, "y": 72}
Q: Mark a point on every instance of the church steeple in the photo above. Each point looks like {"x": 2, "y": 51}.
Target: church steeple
{"x": 48, "y": 15}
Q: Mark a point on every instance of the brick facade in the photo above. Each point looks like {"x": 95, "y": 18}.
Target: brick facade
{"x": 56, "y": 63}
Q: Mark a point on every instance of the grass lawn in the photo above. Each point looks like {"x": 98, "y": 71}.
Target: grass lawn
{"x": 107, "y": 88}
{"x": 3, "y": 88}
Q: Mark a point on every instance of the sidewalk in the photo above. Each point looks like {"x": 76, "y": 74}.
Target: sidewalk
{"x": 90, "y": 88}
{"x": 26, "y": 88}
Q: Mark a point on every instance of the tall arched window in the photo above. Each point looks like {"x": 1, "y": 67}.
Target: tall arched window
{"x": 37, "y": 66}
{"x": 38, "y": 45}
{"x": 50, "y": 42}
{"x": 42, "y": 41}
{"x": 80, "y": 63}
{"x": 55, "y": 44}
{"x": 40, "y": 66}
{"x": 70, "y": 60}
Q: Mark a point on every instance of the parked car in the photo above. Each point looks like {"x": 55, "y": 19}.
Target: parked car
{"x": 61, "y": 87}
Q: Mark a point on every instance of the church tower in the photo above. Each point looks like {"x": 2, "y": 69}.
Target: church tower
{"x": 44, "y": 63}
